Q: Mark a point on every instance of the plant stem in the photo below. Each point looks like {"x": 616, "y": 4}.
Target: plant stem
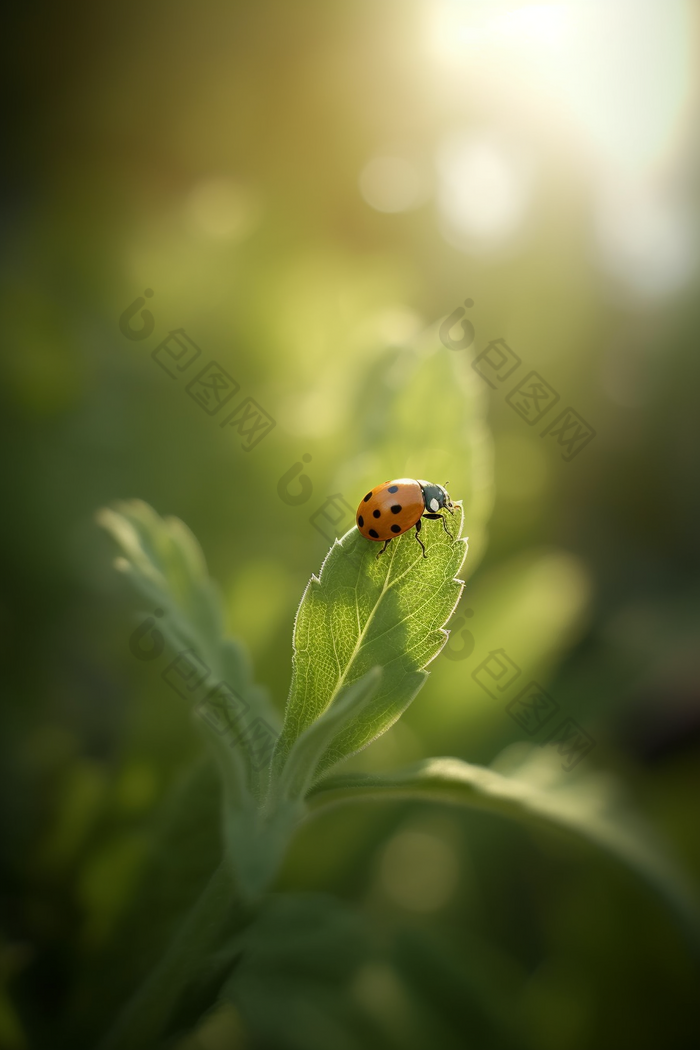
{"x": 145, "y": 1016}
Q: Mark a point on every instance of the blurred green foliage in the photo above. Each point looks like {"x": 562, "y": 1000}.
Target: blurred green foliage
{"x": 211, "y": 152}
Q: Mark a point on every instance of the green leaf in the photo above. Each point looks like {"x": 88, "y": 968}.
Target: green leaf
{"x": 317, "y": 740}
{"x": 365, "y": 612}
{"x": 533, "y": 790}
{"x": 472, "y": 990}
{"x": 148, "y": 1011}
{"x": 164, "y": 562}
{"x": 302, "y": 954}
{"x": 172, "y": 878}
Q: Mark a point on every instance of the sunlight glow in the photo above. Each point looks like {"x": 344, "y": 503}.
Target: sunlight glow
{"x": 612, "y": 84}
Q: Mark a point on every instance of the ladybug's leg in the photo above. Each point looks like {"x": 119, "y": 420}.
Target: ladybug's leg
{"x": 440, "y": 517}
{"x": 444, "y": 525}
{"x": 419, "y": 539}
{"x": 386, "y": 544}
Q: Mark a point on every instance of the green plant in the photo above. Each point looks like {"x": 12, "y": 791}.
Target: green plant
{"x": 365, "y": 631}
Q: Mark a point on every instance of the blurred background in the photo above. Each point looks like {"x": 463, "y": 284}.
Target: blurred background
{"x": 308, "y": 190}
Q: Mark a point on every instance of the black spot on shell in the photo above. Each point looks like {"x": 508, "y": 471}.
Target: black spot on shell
{"x": 396, "y": 509}
{"x": 368, "y": 496}
{"x": 396, "y": 528}
{"x": 360, "y": 521}
{"x": 377, "y": 513}
{"x": 374, "y": 534}
{"x": 393, "y": 488}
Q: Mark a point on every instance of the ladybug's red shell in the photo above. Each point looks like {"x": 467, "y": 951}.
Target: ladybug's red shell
{"x": 390, "y": 509}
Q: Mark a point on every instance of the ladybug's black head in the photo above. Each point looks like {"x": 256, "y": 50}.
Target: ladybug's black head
{"x": 436, "y": 497}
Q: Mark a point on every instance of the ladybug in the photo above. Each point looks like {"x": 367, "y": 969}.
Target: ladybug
{"x": 395, "y": 507}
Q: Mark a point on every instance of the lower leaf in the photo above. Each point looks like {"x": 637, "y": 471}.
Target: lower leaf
{"x": 533, "y": 791}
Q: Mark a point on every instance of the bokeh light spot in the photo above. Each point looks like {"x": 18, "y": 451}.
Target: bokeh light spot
{"x": 419, "y": 871}
{"x": 483, "y": 190}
